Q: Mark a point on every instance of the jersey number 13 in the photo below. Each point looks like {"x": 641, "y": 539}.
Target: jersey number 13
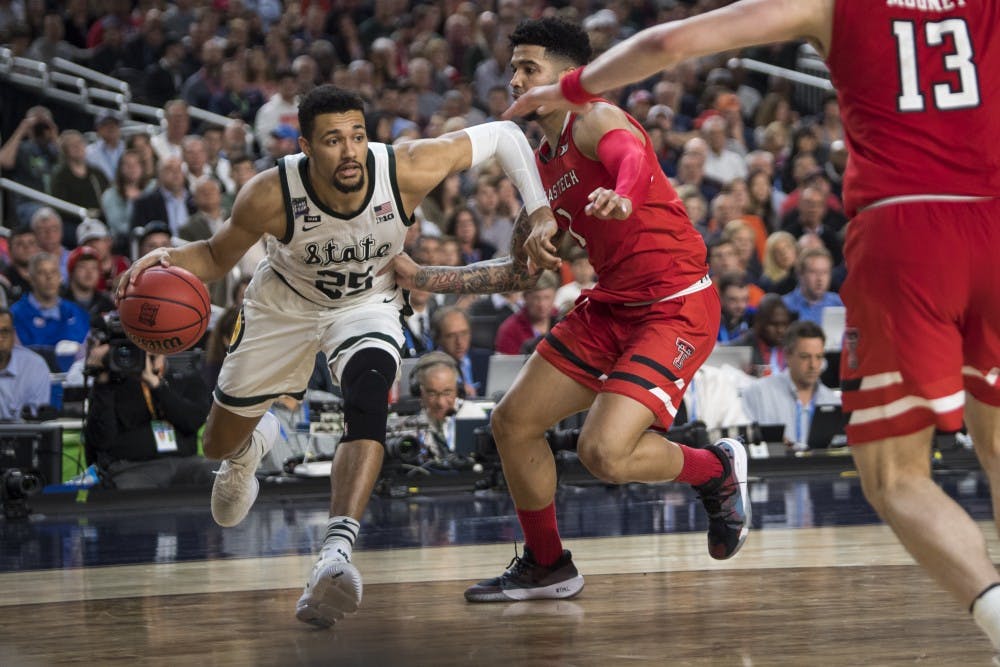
{"x": 947, "y": 97}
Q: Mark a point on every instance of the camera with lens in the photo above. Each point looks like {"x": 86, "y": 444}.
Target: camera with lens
{"x": 124, "y": 358}
{"x": 406, "y": 448}
{"x": 41, "y": 126}
{"x": 15, "y": 487}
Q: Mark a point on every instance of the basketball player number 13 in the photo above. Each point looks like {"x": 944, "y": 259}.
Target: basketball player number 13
{"x": 960, "y": 60}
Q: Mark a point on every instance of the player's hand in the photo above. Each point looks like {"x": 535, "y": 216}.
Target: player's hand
{"x": 405, "y": 269}
{"x": 542, "y": 253}
{"x": 608, "y": 205}
{"x": 542, "y": 99}
{"x": 157, "y": 257}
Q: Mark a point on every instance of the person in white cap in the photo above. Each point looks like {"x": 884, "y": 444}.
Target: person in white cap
{"x": 94, "y": 234}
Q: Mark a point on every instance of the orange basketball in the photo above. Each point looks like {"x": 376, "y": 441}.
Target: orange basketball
{"x": 166, "y": 310}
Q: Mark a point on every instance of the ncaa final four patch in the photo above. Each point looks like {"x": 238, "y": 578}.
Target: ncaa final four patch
{"x": 299, "y": 206}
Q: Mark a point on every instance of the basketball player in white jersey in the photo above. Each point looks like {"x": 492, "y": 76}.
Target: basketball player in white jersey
{"x": 339, "y": 211}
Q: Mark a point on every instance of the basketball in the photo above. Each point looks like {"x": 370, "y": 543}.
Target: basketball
{"x": 166, "y": 310}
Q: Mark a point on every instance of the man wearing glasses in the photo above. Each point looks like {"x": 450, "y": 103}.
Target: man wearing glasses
{"x": 24, "y": 375}
{"x": 438, "y": 381}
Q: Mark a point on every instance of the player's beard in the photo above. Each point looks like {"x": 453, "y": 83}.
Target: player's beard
{"x": 348, "y": 188}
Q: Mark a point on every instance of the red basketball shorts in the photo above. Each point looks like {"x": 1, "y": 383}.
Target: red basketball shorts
{"x": 923, "y": 316}
{"x": 648, "y": 353}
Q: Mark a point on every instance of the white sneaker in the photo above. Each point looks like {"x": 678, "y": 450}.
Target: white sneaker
{"x": 235, "y": 488}
{"x": 333, "y": 591}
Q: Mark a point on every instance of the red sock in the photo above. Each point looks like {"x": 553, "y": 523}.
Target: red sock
{"x": 541, "y": 533}
{"x": 700, "y": 466}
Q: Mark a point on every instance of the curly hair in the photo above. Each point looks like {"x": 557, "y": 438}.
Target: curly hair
{"x": 558, "y": 38}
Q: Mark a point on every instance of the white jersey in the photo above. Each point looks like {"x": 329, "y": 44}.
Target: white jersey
{"x": 333, "y": 260}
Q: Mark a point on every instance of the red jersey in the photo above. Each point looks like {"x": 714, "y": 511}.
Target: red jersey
{"x": 653, "y": 254}
{"x": 919, "y": 89}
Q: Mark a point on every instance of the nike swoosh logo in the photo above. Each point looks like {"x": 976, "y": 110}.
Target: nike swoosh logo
{"x": 389, "y": 300}
{"x": 335, "y": 576}
{"x": 309, "y": 229}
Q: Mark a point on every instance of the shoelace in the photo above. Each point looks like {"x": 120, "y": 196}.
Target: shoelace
{"x": 714, "y": 500}
{"x": 517, "y": 564}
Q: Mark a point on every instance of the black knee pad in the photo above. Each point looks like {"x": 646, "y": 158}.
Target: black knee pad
{"x": 365, "y": 384}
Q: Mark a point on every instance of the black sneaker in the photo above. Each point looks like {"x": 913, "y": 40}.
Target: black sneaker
{"x": 727, "y": 501}
{"x": 524, "y": 579}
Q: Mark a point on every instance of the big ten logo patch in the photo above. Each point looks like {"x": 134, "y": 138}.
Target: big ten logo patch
{"x": 684, "y": 351}
{"x": 384, "y": 212}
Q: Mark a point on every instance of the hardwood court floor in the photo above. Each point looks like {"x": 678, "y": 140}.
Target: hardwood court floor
{"x": 850, "y": 616}
{"x": 649, "y": 600}
{"x": 820, "y": 582}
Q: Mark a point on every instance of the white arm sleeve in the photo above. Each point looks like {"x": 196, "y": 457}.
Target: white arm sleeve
{"x": 505, "y": 141}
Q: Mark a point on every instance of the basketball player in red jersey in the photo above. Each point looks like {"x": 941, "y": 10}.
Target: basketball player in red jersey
{"x": 919, "y": 89}
{"x": 628, "y": 349}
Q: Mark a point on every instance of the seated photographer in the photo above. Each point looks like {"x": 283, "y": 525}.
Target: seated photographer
{"x": 24, "y": 375}
{"x": 437, "y": 385}
{"x": 142, "y": 422}
{"x": 791, "y": 396}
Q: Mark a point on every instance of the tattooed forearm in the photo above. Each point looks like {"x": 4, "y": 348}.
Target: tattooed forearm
{"x": 495, "y": 275}
{"x": 504, "y": 274}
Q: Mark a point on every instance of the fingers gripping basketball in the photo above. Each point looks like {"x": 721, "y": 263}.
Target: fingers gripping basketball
{"x": 165, "y": 310}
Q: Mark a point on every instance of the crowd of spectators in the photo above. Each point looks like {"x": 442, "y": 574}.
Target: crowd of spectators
{"x": 758, "y": 170}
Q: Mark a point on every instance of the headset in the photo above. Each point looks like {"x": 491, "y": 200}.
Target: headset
{"x": 428, "y": 361}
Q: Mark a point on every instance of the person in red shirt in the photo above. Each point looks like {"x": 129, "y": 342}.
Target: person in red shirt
{"x": 919, "y": 90}
{"x": 533, "y": 320}
{"x": 628, "y": 349}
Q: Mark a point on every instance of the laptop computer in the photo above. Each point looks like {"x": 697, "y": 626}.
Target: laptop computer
{"x": 833, "y": 327}
{"x": 738, "y": 356}
{"x": 827, "y": 428}
{"x": 503, "y": 369}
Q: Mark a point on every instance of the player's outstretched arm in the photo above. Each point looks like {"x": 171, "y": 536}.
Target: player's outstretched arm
{"x": 504, "y": 274}
{"x": 258, "y": 210}
{"x": 421, "y": 165}
{"x": 740, "y": 25}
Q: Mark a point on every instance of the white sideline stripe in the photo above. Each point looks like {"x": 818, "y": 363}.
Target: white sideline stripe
{"x": 938, "y": 405}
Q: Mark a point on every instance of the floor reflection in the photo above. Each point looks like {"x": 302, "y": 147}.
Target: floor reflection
{"x": 295, "y": 525}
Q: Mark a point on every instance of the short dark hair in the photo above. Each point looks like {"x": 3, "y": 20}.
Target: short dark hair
{"x": 768, "y": 306}
{"x": 326, "y": 99}
{"x": 558, "y": 38}
{"x": 237, "y": 158}
{"x": 799, "y": 330}
{"x": 23, "y": 230}
{"x": 731, "y": 279}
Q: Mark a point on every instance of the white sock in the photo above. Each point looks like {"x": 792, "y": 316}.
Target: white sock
{"x": 986, "y": 611}
{"x": 341, "y": 532}
{"x": 253, "y": 450}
